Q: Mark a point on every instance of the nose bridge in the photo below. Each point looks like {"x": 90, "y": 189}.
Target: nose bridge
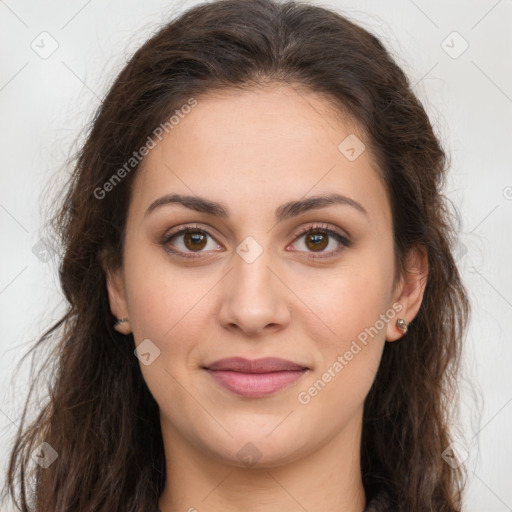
{"x": 253, "y": 277}
{"x": 252, "y": 298}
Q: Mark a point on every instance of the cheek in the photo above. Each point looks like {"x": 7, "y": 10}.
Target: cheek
{"x": 352, "y": 306}
{"x": 355, "y": 305}
{"x": 354, "y": 355}
{"x": 172, "y": 307}
{"x": 158, "y": 294}
{"x": 352, "y": 299}
{"x": 165, "y": 307}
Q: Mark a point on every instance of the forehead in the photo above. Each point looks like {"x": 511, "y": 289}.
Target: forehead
{"x": 265, "y": 146}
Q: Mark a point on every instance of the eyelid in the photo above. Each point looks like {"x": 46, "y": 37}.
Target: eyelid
{"x": 187, "y": 227}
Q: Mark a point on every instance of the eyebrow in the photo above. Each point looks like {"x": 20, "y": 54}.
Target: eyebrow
{"x": 285, "y": 211}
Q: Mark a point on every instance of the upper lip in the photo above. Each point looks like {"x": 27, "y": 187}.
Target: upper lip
{"x": 263, "y": 365}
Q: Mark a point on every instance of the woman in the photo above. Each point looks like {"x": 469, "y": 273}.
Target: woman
{"x": 264, "y": 310}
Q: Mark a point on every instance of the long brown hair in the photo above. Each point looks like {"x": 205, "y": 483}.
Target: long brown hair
{"x": 101, "y": 419}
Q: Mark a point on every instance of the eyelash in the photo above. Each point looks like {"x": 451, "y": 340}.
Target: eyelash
{"x": 317, "y": 228}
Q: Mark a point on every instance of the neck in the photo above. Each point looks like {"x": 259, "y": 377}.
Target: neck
{"x": 326, "y": 479}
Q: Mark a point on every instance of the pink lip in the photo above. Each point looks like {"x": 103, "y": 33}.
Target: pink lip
{"x": 256, "y": 378}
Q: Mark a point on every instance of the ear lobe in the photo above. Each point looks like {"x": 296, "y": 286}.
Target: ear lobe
{"x": 411, "y": 290}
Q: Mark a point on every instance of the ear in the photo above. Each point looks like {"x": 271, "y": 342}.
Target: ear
{"x": 410, "y": 290}
{"x": 116, "y": 293}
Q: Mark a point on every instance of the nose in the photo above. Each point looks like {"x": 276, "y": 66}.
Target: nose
{"x": 254, "y": 299}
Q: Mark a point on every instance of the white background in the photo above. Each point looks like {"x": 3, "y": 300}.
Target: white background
{"x": 45, "y": 103}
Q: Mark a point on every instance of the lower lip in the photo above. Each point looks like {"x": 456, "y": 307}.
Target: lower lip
{"x": 255, "y": 384}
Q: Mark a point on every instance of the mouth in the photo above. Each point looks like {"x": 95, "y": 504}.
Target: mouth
{"x": 255, "y": 378}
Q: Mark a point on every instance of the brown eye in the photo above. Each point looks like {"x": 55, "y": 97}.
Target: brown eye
{"x": 194, "y": 240}
{"x": 189, "y": 241}
{"x": 320, "y": 242}
{"x": 317, "y": 242}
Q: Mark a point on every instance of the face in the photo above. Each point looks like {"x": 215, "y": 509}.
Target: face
{"x": 252, "y": 264}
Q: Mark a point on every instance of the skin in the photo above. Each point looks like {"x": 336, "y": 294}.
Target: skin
{"x": 252, "y": 152}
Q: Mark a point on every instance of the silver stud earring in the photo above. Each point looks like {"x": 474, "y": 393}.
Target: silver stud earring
{"x": 119, "y": 327}
{"x": 402, "y": 325}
